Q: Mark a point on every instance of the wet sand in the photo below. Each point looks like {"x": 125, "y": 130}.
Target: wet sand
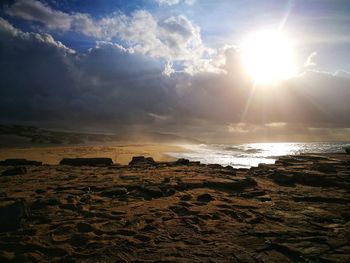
{"x": 296, "y": 210}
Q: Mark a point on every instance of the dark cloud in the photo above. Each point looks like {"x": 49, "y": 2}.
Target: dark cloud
{"x": 43, "y": 81}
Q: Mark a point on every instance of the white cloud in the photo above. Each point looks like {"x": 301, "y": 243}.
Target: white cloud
{"x": 172, "y": 39}
{"x": 342, "y": 74}
{"x": 168, "y": 69}
{"x": 310, "y": 60}
{"x": 45, "y": 38}
{"x": 174, "y": 2}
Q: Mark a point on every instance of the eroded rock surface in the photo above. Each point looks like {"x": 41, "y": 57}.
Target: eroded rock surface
{"x": 296, "y": 210}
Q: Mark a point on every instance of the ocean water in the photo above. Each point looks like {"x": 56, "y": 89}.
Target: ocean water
{"x": 250, "y": 155}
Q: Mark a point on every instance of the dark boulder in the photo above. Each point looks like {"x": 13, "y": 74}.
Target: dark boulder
{"x": 86, "y": 161}
{"x": 205, "y": 198}
{"x": 152, "y": 191}
{"x": 347, "y": 150}
{"x": 14, "y": 171}
{"x": 186, "y": 197}
{"x": 141, "y": 160}
{"x": 84, "y": 227}
{"x": 12, "y": 214}
{"x": 15, "y": 162}
{"x": 182, "y": 161}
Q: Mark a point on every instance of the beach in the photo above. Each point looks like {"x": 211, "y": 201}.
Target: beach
{"x": 296, "y": 210}
{"x": 120, "y": 153}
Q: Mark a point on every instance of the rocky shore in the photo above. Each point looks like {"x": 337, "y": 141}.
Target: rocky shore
{"x": 296, "y": 210}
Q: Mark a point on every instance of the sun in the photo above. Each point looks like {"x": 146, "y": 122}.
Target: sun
{"x": 268, "y": 57}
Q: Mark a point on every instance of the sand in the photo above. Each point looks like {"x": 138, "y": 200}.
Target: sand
{"x": 121, "y": 153}
{"x": 296, "y": 210}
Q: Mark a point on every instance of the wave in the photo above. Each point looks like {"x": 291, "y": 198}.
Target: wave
{"x": 248, "y": 155}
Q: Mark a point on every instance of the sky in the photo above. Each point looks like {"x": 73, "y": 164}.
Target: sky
{"x": 175, "y": 66}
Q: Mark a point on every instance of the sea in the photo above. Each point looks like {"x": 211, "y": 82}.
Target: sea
{"x": 251, "y": 154}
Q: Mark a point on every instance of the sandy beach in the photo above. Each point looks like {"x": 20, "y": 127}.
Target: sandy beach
{"x": 119, "y": 153}
{"x": 296, "y": 210}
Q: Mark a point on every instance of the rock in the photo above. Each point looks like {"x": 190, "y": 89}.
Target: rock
{"x": 71, "y": 207}
{"x": 40, "y": 191}
{"x": 14, "y": 171}
{"x": 283, "y": 179}
{"x": 205, "y": 198}
{"x": 12, "y": 214}
{"x": 214, "y": 166}
{"x": 152, "y": 191}
{"x": 129, "y": 177}
{"x": 170, "y": 191}
{"x": 15, "y": 162}
{"x": 182, "y": 161}
{"x": 182, "y": 211}
{"x": 186, "y": 197}
{"x": 141, "y": 160}
{"x": 86, "y": 161}
{"x": 325, "y": 168}
{"x": 84, "y": 228}
{"x": 42, "y": 203}
{"x": 115, "y": 191}
{"x": 52, "y": 201}
{"x": 253, "y": 194}
{"x": 231, "y": 185}
{"x": 166, "y": 180}
{"x": 321, "y": 199}
{"x": 347, "y": 150}
{"x": 346, "y": 215}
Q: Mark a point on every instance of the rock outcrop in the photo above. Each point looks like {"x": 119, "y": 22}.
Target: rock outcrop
{"x": 86, "y": 161}
{"x": 141, "y": 161}
{"x": 15, "y": 162}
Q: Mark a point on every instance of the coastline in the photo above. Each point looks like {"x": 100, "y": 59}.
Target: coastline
{"x": 295, "y": 210}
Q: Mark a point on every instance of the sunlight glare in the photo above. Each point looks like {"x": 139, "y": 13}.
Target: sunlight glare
{"x": 268, "y": 57}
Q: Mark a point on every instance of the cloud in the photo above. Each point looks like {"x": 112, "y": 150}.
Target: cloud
{"x": 342, "y": 74}
{"x": 174, "y": 2}
{"x": 310, "y": 60}
{"x": 173, "y": 39}
{"x": 7, "y": 29}
{"x": 111, "y": 86}
{"x": 37, "y": 11}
